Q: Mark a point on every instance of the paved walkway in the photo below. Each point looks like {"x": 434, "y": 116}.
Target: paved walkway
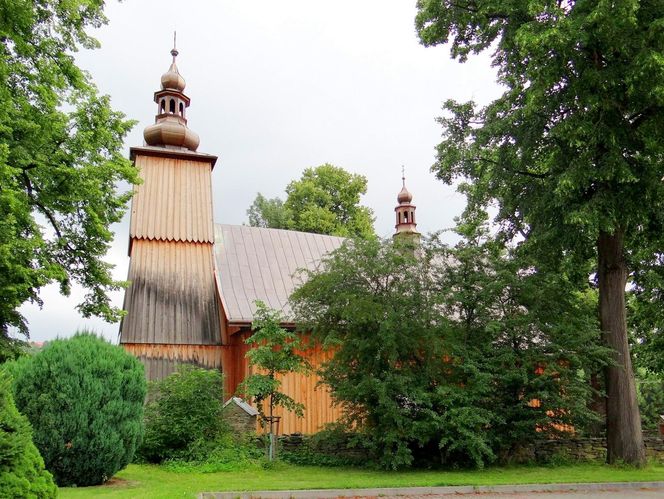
{"x": 618, "y": 490}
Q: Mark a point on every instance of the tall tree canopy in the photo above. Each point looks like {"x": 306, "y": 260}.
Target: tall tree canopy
{"x": 60, "y": 160}
{"x": 572, "y": 150}
{"x": 270, "y": 213}
{"x": 326, "y": 200}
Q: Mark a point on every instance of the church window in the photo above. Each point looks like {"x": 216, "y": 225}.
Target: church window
{"x": 181, "y": 109}
{"x": 171, "y": 106}
{"x": 163, "y": 105}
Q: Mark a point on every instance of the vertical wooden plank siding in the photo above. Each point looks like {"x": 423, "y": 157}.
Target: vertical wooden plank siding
{"x": 172, "y": 295}
{"x": 161, "y": 360}
{"x": 174, "y": 202}
{"x": 317, "y": 400}
{"x": 234, "y": 364}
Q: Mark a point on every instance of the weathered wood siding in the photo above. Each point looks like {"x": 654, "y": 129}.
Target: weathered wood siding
{"x": 234, "y": 365}
{"x": 172, "y": 296}
{"x": 162, "y": 360}
{"x": 317, "y": 400}
{"x": 174, "y": 202}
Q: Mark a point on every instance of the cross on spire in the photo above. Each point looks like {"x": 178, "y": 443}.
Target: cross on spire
{"x": 403, "y": 175}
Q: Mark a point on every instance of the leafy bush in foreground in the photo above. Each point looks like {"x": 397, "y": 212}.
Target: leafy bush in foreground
{"x": 22, "y": 472}
{"x": 183, "y": 415}
{"x": 453, "y": 356}
{"x": 84, "y": 398}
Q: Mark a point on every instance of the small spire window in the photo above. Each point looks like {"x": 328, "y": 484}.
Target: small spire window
{"x": 405, "y": 217}
{"x": 163, "y": 106}
{"x": 171, "y": 106}
{"x": 181, "y": 109}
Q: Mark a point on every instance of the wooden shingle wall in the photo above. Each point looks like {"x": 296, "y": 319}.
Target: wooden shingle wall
{"x": 172, "y": 306}
{"x": 172, "y": 295}
{"x": 174, "y": 202}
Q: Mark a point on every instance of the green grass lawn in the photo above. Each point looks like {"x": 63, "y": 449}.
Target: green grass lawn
{"x": 148, "y": 481}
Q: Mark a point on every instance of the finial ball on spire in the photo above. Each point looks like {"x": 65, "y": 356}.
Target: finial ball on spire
{"x": 172, "y": 79}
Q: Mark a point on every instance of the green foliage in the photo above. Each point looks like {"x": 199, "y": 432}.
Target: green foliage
{"x": 60, "y": 161}
{"x": 22, "y": 472}
{"x": 183, "y": 415}
{"x": 326, "y": 200}
{"x": 387, "y": 371}
{"x": 225, "y": 452}
{"x": 651, "y": 400}
{"x": 571, "y": 151}
{"x": 646, "y": 313}
{"x": 534, "y": 332}
{"x": 11, "y": 348}
{"x": 273, "y": 353}
{"x": 270, "y": 213}
{"x": 84, "y": 398}
{"x": 332, "y": 446}
{"x": 487, "y": 333}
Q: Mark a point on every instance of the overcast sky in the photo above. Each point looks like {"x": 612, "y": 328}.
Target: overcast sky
{"x": 277, "y": 87}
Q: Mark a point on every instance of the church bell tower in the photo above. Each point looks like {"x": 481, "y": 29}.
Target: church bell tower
{"x": 405, "y": 213}
{"x": 171, "y": 304}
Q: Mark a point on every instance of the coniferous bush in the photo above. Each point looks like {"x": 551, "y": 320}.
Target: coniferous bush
{"x": 22, "y": 472}
{"x": 84, "y": 398}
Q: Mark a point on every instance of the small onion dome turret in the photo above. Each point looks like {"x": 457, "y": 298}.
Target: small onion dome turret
{"x": 170, "y": 129}
{"x": 404, "y": 196}
{"x": 172, "y": 79}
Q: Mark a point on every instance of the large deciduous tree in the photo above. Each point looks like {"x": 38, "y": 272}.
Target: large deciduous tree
{"x": 269, "y": 213}
{"x": 60, "y": 160}
{"x": 325, "y": 200}
{"x": 572, "y": 150}
{"x": 458, "y": 355}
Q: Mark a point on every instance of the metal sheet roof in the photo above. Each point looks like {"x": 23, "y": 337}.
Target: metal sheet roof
{"x": 254, "y": 263}
{"x": 242, "y": 405}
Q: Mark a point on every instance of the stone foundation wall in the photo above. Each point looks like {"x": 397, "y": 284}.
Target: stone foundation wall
{"x": 338, "y": 448}
{"x": 589, "y": 449}
{"x": 573, "y": 449}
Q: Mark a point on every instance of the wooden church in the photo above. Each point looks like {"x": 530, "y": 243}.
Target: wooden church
{"x": 193, "y": 283}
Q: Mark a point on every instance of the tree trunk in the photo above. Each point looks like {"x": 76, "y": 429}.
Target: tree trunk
{"x": 623, "y": 421}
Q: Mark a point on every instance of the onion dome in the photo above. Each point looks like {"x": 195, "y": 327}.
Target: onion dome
{"x": 404, "y": 196}
{"x": 172, "y": 79}
{"x": 171, "y": 132}
{"x": 170, "y": 128}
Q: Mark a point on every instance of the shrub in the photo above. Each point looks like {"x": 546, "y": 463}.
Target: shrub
{"x": 22, "y": 472}
{"x": 184, "y": 410}
{"x": 332, "y": 446}
{"x": 225, "y": 453}
{"x": 84, "y": 398}
{"x": 650, "y": 390}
